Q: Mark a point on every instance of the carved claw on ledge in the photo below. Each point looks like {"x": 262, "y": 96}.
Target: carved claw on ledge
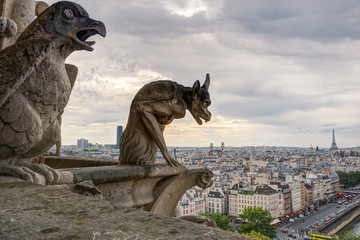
{"x": 208, "y": 221}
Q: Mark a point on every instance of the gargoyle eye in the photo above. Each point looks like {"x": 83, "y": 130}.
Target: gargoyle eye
{"x": 68, "y": 14}
{"x": 204, "y": 104}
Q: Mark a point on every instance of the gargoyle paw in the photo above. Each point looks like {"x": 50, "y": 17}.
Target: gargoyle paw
{"x": 35, "y": 173}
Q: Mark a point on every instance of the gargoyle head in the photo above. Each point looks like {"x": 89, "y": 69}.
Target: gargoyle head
{"x": 200, "y": 101}
{"x": 68, "y": 25}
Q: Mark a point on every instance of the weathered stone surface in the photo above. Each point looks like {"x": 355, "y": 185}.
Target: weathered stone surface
{"x": 155, "y": 188}
{"x": 35, "y": 90}
{"x": 31, "y": 211}
{"x": 168, "y": 191}
{"x": 154, "y": 106}
{"x": 73, "y": 162}
{"x": 87, "y": 186}
{"x": 107, "y": 174}
{"x": 208, "y": 221}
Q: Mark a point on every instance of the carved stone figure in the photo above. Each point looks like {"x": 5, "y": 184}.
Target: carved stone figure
{"x": 21, "y": 13}
{"x": 8, "y": 29}
{"x": 16, "y": 15}
{"x": 156, "y": 105}
{"x": 35, "y": 85}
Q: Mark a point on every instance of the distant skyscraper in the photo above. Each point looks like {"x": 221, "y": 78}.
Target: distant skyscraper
{"x": 222, "y": 146}
{"x": 333, "y": 144}
{"x": 82, "y": 143}
{"x": 175, "y": 154}
{"x": 119, "y": 131}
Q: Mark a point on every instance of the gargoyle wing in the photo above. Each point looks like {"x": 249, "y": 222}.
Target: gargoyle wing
{"x": 18, "y": 61}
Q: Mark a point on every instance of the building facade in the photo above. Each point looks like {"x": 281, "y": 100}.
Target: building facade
{"x": 216, "y": 201}
{"x": 267, "y": 198}
{"x": 262, "y": 196}
{"x": 295, "y": 196}
{"x": 82, "y": 143}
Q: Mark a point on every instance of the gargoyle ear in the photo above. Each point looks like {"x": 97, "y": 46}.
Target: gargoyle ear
{"x": 196, "y": 87}
{"x": 206, "y": 84}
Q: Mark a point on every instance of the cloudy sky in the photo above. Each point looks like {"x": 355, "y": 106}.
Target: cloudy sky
{"x": 283, "y": 73}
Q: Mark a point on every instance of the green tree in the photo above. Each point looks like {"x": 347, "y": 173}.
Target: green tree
{"x": 222, "y": 221}
{"x": 256, "y": 235}
{"x": 349, "y": 235}
{"x": 349, "y": 179}
{"x": 258, "y": 220}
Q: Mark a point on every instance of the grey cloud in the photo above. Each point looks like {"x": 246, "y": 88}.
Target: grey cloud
{"x": 274, "y": 63}
{"x": 321, "y": 20}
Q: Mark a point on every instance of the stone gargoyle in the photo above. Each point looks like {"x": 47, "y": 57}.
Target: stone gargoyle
{"x": 154, "y": 106}
{"x": 35, "y": 86}
{"x": 15, "y": 16}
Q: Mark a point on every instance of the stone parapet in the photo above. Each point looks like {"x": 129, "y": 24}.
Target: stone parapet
{"x": 156, "y": 188}
{"x": 30, "y": 211}
{"x": 73, "y": 162}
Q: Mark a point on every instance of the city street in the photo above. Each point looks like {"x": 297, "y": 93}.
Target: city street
{"x": 317, "y": 216}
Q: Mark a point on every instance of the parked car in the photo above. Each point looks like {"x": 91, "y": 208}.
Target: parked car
{"x": 301, "y": 215}
{"x": 291, "y": 220}
{"x": 338, "y": 206}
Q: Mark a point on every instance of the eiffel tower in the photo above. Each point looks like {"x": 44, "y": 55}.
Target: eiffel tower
{"x": 333, "y": 144}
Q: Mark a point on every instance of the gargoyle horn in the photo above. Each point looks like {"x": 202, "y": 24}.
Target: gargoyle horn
{"x": 206, "y": 84}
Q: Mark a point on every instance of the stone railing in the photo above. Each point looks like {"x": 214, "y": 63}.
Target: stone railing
{"x": 155, "y": 188}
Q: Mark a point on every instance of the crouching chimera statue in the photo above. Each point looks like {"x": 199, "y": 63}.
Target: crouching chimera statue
{"x": 155, "y": 105}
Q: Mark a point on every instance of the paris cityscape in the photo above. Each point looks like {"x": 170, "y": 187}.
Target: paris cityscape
{"x": 260, "y": 101}
{"x": 299, "y": 186}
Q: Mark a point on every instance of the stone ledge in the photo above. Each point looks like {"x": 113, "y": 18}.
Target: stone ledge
{"x": 108, "y": 174}
{"x": 74, "y": 162}
{"x": 30, "y": 211}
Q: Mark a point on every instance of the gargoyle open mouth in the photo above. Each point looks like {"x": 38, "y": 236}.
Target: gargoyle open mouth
{"x": 198, "y": 119}
{"x": 82, "y": 35}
